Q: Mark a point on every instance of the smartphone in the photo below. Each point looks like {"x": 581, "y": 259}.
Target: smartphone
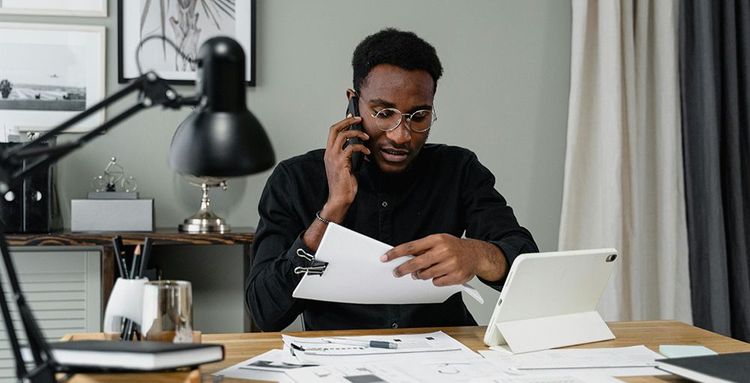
{"x": 353, "y": 109}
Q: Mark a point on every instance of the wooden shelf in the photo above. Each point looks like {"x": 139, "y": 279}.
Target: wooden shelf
{"x": 239, "y": 236}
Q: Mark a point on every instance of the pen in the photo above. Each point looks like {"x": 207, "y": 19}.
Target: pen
{"x": 117, "y": 246}
{"x": 122, "y": 269}
{"x": 131, "y": 275}
{"x": 363, "y": 343}
{"x": 145, "y": 256}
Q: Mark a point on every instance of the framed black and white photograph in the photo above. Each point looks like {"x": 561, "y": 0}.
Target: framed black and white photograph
{"x": 91, "y": 8}
{"x": 188, "y": 23}
{"x": 49, "y": 73}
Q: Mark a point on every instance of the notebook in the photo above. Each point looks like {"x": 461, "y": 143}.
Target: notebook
{"x": 135, "y": 356}
{"x": 710, "y": 369}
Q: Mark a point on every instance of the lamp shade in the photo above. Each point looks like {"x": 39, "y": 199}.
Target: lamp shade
{"x": 221, "y": 138}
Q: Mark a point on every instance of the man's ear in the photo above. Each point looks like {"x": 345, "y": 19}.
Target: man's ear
{"x": 350, "y": 93}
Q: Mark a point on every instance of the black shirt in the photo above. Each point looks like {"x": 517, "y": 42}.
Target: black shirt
{"x": 445, "y": 190}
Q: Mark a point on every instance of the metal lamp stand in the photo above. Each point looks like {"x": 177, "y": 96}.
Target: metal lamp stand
{"x": 204, "y": 220}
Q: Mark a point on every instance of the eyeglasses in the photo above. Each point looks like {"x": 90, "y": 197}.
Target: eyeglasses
{"x": 389, "y": 119}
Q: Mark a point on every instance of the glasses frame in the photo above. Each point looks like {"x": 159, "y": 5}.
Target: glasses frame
{"x": 406, "y": 122}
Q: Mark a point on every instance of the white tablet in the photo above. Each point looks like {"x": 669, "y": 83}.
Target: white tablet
{"x": 557, "y": 285}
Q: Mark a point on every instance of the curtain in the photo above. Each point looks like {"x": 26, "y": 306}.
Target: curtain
{"x": 624, "y": 184}
{"x": 715, "y": 79}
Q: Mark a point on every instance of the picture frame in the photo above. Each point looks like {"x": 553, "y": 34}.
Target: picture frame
{"x": 50, "y": 73}
{"x": 214, "y": 17}
{"x": 83, "y": 8}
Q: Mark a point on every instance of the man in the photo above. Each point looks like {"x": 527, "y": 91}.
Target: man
{"x": 419, "y": 198}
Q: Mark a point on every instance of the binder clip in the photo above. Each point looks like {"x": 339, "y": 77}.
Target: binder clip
{"x": 315, "y": 268}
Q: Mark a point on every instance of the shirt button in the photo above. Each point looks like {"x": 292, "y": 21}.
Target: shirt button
{"x": 384, "y": 204}
{"x": 394, "y": 325}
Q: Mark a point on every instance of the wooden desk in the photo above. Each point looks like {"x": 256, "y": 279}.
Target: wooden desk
{"x": 243, "y": 346}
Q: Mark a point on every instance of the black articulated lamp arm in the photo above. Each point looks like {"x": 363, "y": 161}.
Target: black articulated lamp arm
{"x": 153, "y": 91}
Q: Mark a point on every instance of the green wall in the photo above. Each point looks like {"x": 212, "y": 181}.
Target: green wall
{"x": 503, "y": 95}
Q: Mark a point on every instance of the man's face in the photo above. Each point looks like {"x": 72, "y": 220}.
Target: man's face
{"x": 388, "y": 86}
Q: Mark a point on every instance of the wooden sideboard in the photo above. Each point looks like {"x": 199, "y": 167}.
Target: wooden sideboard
{"x": 160, "y": 237}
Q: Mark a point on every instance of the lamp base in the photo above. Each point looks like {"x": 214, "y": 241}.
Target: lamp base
{"x": 205, "y": 221}
{"x": 200, "y": 225}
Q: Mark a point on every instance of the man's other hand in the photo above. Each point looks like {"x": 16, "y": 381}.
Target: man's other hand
{"x": 449, "y": 260}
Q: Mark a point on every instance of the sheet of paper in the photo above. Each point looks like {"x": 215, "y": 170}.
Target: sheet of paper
{"x": 349, "y": 373}
{"x": 552, "y": 378}
{"x": 478, "y": 371}
{"x": 270, "y": 366}
{"x": 355, "y": 274}
{"x": 619, "y": 361}
{"x": 414, "y": 348}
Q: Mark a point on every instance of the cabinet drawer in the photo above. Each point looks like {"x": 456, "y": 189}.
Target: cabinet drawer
{"x": 63, "y": 289}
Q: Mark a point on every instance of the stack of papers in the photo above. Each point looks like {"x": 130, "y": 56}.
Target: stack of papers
{"x": 414, "y": 350}
{"x": 436, "y": 357}
{"x": 470, "y": 372}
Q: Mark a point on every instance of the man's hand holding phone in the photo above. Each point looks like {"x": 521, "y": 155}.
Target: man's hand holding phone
{"x": 342, "y": 184}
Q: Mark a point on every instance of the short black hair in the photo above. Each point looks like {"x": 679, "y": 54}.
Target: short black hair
{"x": 391, "y": 46}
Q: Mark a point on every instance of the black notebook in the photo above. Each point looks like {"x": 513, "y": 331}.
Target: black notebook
{"x": 137, "y": 356}
{"x": 711, "y": 368}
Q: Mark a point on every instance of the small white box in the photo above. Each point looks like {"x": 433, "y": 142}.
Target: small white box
{"x": 112, "y": 215}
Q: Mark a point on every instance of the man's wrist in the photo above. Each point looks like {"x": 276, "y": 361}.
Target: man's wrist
{"x": 320, "y": 218}
{"x": 333, "y": 212}
{"x": 493, "y": 265}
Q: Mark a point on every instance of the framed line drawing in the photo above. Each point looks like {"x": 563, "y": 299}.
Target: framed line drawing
{"x": 89, "y": 8}
{"x": 49, "y": 73}
{"x": 186, "y": 22}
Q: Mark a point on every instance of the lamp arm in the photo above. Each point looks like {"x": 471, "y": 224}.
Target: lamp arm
{"x": 153, "y": 91}
{"x": 135, "y": 85}
{"x": 48, "y": 156}
{"x": 40, "y": 351}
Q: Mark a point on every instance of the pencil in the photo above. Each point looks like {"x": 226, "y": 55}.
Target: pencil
{"x": 134, "y": 265}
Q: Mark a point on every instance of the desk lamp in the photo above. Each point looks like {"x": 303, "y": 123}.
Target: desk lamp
{"x": 230, "y": 148}
{"x": 219, "y": 139}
